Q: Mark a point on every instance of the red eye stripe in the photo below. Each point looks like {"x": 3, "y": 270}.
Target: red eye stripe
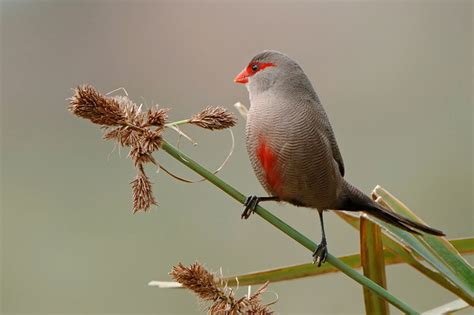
{"x": 250, "y": 70}
{"x": 259, "y": 67}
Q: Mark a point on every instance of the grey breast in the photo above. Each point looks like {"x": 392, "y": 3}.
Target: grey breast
{"x": 297, "y": 132}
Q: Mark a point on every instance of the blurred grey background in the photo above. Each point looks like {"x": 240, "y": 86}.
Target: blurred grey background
{"x": 395, "y": 78}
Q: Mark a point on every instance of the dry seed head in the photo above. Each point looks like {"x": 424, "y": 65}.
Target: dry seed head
{"x": 125, "y": 136}
{"x": 128, "y": 119}
{"x": 151, "y": 140}
{"x": 207, "y": 287}
{"x": 197, "y": 279}
{"x": 90, "y": 104}
{"x": 144, "y": 145}
{"x": 157, "y": 117}
{"x": 214, "y": 118}
{"x": 127, "y": 124}
{"x": 133, "y": 114}
{"x": 255, "y": 305}
{"x": 142, "y": 193}
{"x": 140, "y": 156}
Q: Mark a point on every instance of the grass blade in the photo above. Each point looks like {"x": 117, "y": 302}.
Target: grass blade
{"x": 448, "y": 308}
{"x": 293, "y": 272}
{"x": 447, "y": 258}
{"x": 411, "y": 255}
{"x": 373, "y": 264}
{"x": 464, "y": 246}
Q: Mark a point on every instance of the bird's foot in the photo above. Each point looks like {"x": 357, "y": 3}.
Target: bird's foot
{"x": 321, "y": 253}
{"x": 250, "y": 204}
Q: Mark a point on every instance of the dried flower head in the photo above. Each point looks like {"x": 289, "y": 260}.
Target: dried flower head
{"x": 125, "y": 136}
{"x": 142, "y": 192}
{"x": 157, "y": 117}
{"x": 209, "y": 287}
{"x": 197, "y": 279}
{"x": 151, "y": 140}
{"x": 125, "y": 123}
{"x": 214, "y": 118}
{"x": 132, "y": 112}
{"x": 90, "y": 104}
{"x": 141, "y": 156}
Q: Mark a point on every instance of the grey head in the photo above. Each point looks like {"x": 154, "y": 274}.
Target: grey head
{"x": 273, "y": 70}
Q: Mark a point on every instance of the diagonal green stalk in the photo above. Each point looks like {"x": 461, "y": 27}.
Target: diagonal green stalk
{"x": 285, "y": 228}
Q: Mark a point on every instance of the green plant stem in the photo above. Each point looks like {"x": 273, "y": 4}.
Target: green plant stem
{"x": 177, "y": 123}
{"x": 285, "y": 228}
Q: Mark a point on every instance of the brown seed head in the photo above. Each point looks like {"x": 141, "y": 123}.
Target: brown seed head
{"x": 197, "y": 279}
{"x": 90, "y": 104}
{"x": 141, "y": 156}
{"x": 157, "y": 117}
{"x": 142, "y": 192}
{"x": 208, "y": 287}
{"x": 151, "y": 140}
{"x": 214, "y": 118}
{"x": 134, "y": 115}
{"x": 125, "y": 136}
{"x": 125, "y": 123}
{"x": 143, "y": 146}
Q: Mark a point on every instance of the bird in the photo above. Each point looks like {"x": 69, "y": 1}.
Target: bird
{"x": 293, "y": 150}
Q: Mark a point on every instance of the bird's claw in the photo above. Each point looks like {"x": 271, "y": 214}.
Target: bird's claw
{"x": 250, "y": 204}
{"x": 320, "y": 254}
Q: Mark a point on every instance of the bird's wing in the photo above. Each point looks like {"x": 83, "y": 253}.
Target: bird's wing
{"x": 325, "y": 127}
{"x": 335, "y": 150}
{"x": 322, "y": 120}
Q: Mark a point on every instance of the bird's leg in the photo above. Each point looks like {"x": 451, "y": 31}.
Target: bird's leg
{"x": 251, "y": 204}
{"x": 321, "y": 253}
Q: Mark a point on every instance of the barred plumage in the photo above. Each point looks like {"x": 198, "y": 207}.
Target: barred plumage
{"x": 287, "y": 122}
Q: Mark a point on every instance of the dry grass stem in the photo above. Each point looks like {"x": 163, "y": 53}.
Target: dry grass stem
{"x": 125, "y": 123}
{"x": 214, "y": 118}
{"x": 211, "y": 288}
{"x": 243, "y": 110}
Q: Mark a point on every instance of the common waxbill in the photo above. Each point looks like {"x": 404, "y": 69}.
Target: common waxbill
{"x": 293, "y": 150}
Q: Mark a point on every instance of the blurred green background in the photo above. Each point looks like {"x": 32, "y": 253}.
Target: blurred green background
{"x": 395, "y": 78}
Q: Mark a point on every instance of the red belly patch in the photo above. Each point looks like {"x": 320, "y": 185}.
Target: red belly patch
{"x": 268, "y": 160}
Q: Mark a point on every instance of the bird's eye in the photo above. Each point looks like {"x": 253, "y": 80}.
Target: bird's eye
{"x": 255, "y": 67}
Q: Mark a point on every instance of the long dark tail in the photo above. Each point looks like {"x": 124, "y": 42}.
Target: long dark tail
{"x": 355, "y": 200}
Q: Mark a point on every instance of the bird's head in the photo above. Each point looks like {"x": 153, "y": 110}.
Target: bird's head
{"x": 267, "y": 69}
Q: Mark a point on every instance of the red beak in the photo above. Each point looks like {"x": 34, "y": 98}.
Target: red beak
{"x": 242, "y": 77}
